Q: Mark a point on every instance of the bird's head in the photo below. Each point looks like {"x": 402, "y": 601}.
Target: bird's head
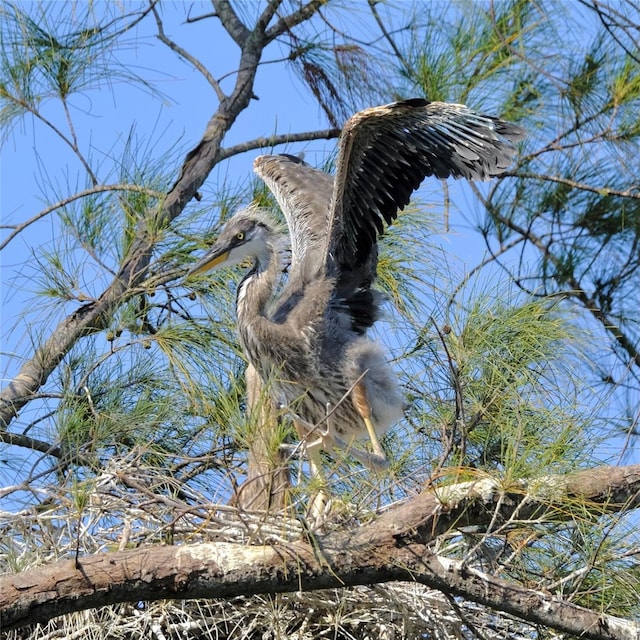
{"x": 250, "y": 233}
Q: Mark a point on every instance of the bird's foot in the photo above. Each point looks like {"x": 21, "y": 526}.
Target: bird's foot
{"x": 319, "y": 509}
{"x": 374, "y": 461}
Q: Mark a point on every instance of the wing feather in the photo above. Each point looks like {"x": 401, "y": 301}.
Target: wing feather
{"x": 386, "y": 152}
{"x": 304, "y": 196}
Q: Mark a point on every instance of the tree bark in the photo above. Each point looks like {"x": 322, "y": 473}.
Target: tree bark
{"x": 198, "y": 164}
{"x": 268, "y": 478}
{"x": 393, "y": 547}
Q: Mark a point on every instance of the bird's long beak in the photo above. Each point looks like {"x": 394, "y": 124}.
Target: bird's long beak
{"x": 209, "y": 261}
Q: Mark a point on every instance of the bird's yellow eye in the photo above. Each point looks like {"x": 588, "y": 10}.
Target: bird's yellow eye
{"x": 240, "y": 235}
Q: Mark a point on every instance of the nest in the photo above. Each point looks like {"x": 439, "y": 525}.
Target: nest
{"x": 130, "y": 506}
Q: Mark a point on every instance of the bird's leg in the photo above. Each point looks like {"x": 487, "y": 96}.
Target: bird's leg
{"x": 328, "y": 439}
{"x": 305, "y": 429}
{"x": 364, "y": 409}
{"x": 320, "y": 500}
{"x": 371, "y": 460}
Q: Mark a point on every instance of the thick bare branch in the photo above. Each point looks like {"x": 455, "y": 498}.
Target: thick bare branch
{"x": 269, "y": 11}
{"x": 19, "y": 440}
{"x": 231, "y": 22}
{"x": 224, "y": 570}
{"x": 394, "y": 547}
{"x": 288, "y": 22}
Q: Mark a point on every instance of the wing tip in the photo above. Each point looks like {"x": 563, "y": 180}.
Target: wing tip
{"x": 414, "y": 103}
{"x": 263, "y": 160}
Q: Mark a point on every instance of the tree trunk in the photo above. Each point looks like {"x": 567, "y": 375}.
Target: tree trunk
{"x": 396, "y": 546}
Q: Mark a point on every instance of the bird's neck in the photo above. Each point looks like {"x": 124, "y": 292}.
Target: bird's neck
{"x": 256, "y": 288}
{"x": 254, "y": 294}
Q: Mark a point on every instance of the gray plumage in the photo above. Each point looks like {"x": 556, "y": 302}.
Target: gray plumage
{"x": 308, "y": 344}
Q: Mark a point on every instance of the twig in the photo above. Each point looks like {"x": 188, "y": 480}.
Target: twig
{"x": 183, "y": 53}
{"x": 634, "y": 192}
{"x": 17, "y": 229}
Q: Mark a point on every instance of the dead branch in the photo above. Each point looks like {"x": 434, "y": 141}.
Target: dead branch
{"x": 393, "y": 547}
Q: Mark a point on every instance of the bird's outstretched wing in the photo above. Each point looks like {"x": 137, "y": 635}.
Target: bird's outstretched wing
{"x": 386, "y": 152}
{"x": 304, "y": 196}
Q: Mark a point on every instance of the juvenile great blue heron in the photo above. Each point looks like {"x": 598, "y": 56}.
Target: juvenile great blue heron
{"x": 308, "y": 345}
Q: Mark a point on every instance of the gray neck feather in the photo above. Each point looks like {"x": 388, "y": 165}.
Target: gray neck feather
{"x": 257, "y": 287}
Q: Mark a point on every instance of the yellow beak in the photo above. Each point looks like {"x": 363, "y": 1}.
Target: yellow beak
{"x": 208, "y": 262}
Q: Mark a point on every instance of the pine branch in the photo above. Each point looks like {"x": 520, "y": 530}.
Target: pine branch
{"x": 288, "y": 22}
{"x": 273, "y": 141}
{"x": 185, "y": 55}
{"x": 602, "y": 191}
{"x": 231, "y": 22}
{"x": 577, "y": 291}
{"x": 393, "y": 547}
{"x": 197, "y": 166}
{"x": 17, "y": 229}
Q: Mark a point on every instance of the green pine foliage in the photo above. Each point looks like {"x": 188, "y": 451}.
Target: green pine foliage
{"x": 521, "y": 367}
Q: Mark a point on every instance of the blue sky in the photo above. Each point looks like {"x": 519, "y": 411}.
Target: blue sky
{"x": 34, "y": 159}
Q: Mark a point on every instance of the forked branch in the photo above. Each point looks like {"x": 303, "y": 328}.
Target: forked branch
{"x": 394, "y": 547}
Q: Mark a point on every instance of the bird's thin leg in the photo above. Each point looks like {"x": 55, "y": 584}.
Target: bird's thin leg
{"x": 371, "y": 460}
{"x": 320, "y": 499}
{"x": 328, "y": 439}
{"x": 319, "y": 503}
{"x": 364, "y": 409}
{"x": 304, "y": 429}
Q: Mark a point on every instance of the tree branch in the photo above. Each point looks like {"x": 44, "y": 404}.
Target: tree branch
{"x": 387, "y": 36}
{"x": 273, "y": 141}
{"x": 19, "y": 440}
{"x": 184, "y": 54}
{"x": 576, "y": 291}
{"x": 603, "y": 191}
{"x": 197, "y": 166}
{"x": 265, "y": 17}
{"x": 76, "y": 196}
{"x": 288, "y": 22}
{"x": 230, "y": 21}
{"x": 393, "y": 547}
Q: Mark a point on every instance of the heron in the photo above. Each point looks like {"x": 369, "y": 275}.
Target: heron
{"x": 308, "y": 339}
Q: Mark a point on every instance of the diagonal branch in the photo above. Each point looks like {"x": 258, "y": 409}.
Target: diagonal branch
{"x": 577, "y": 291}
{"x": 269, "y": 11}
{"x": 387, "y": 36}
{"x": 197, "y": 166}
{"x": 603, "y": 191}
{"x": 396, "y": 546}
{"x": 286, "y": 23}
{"x": 231, "y": 22}
{"x": 20, "y": 440}
{"x": 101, "y": 188}
{"x": 183, "y": 53}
